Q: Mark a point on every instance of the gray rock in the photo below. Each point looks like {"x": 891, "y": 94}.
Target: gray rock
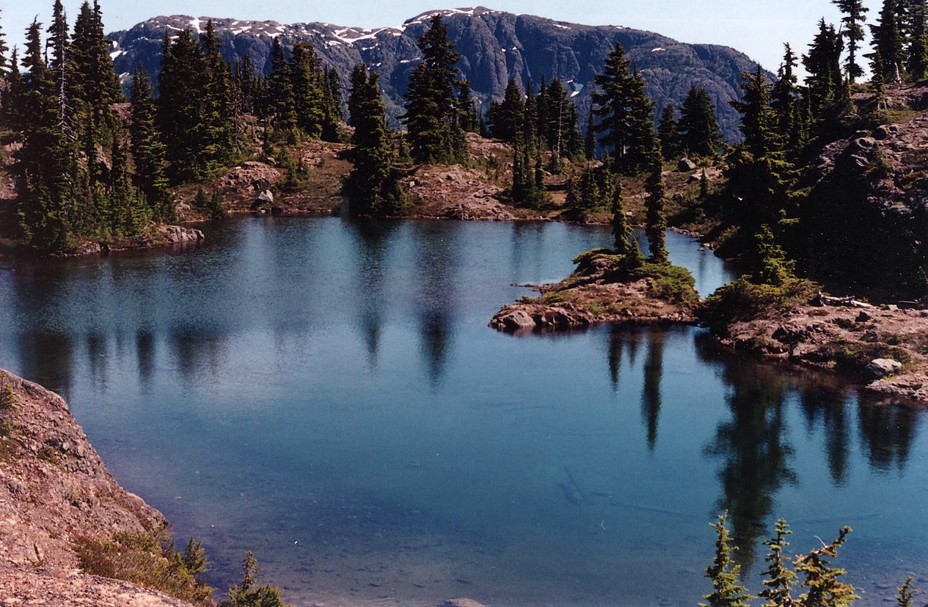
{"x": 885, "y": 131}
{"x": 864, "y": 316}
{"x": 883, "y": 367}
{"x": 266, "y": 197}
{"x": 515, "y": 321}
{"x": 686, "y": 165}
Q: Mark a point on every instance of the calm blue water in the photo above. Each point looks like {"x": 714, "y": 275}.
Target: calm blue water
{"x": 329, "y": 396}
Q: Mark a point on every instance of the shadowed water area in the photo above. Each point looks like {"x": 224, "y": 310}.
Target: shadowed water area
{"x": 328, "y": 395}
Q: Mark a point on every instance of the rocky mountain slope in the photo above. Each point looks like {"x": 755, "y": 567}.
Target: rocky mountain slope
{"x": 55, "y": 492}
{"x": 495, "y": 46}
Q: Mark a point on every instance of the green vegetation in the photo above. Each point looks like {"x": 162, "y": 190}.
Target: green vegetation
{"x": 147, "y": 558}
{"x": 743, "y": 299}
{"x": 248, "y": 593}
{"x": 372, "y": 187}
{"x": 7, "y": 407}
{"x": 433, "y": 116}
{"x": 820, "y": 581}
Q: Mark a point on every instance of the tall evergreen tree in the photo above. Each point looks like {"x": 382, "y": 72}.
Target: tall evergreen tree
{"x": 431, "y": 108}
{"x": 95, "y": 84}
{"x": 5, "y": 63}
{"x": 823, "y": 65}
{"x": 624, "y": 113}
{"x": 917, "y": 56}
{"x": 699, "y": 127}
{"x": 621, "y": 232}
{"x": 506, "y": 117}
{"x": 759, "y": 175}
{"x": 668, "y": 131}
{"x": 46, "y": 161}
{"x": 853, "y": 18}
{"x": 656, "y": 220}
{"x": 780, "y": 579}
{"x": 372, "y": 187}
{"x": 887, "y": 42}
{"x": 307, "y": 87}
{"x": 724, "y": 572}
{"x": 148, "y": 151}
{"x": 785, "y": 101}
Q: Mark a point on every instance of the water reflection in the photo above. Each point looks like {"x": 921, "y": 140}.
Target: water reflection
{"x": 826, "y": 407}
{"x": 751, "y": 443}
{"x": 373, "y": 242}
{"x": 145, "y": 355}
{"x": 47, "y": 358}
{"x": 436, "y": 264}
{"x": 198, "y": 353}
{"x": 651, "y": 386}
{"x": 887, "y": 432}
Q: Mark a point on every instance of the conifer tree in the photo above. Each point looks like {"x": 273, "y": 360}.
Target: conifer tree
{"x": 917, "y": 56}
{"x": 758, "y": 173}
{"x": 589, "y": 137}
{"x": 887, "y": 42}
{"x": 668, "y": 131}
{"x": 656, "y": 220}
{"x": 724, "y": 572}
{"x": 780, "y": 579}
{"x": 148, "y": 151}
{"x": 11, "y": 102}
{"x": 621, "y": 232}
{"x": 281, "y": 98}
{"x": 95, "y": 84}
{"x": 5, "y": 63}
{"x": 305, "y": 73}
{"x": 557, "y": 119}
{"x": 431, "y": 108}
{"x": 467, "y": 111}
{"x": 332, "y": 105}
{"x": 506, "y": 117}
{"x": 784, "y": 100}
{"x": 46, "y": 161}
{"x": 699, "y": 127}
{"x": 823, "y": 65}
{"x": 624, "y": 113}
{"x": 821, "y": 580}
{"x": 372, "y": 187}
{"x": 854, "y": 15}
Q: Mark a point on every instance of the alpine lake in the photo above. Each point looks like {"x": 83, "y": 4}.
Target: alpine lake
{"x": 327, "y": 394}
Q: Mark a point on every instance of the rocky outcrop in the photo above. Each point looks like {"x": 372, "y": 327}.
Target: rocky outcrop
{"x": 495, "y": 46}
{"x": 867, "y": 217}
{"x": 54, "y": 491}
{"x": 882, "y": 347}
{"x": 600, "y": 291}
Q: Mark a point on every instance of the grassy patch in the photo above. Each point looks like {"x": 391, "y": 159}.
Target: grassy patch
{"x": 7, "y": 409}
{"x": 148, "y": 559}
{"x": 855, "y": 356}
{"x": 744, "y": 300}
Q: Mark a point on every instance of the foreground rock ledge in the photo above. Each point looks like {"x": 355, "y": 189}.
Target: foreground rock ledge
{"x": 54, "y": 488}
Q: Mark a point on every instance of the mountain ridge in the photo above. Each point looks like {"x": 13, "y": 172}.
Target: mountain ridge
{"x": 494, "y": 45}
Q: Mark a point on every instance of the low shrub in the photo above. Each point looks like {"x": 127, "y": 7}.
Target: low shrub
{"x": 147, "y": 558}
{"x": 742, "y": 299}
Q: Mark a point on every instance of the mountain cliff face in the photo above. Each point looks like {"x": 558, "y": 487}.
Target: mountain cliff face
{"x": 494, "y": 46}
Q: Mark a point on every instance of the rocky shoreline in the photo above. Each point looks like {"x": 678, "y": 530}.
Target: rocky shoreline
{"x": 882, "y": 348}
{"x": 55, "y": 492}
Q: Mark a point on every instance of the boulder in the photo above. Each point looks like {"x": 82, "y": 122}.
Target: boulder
{"x": 517, "y": 320}
{"x": 883, "y": 367}
{"x": 686, "y": 165}
{"x": 266, "y": 197}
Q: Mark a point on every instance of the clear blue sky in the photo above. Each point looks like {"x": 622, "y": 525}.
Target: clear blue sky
{"x": 756, "y": 27}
